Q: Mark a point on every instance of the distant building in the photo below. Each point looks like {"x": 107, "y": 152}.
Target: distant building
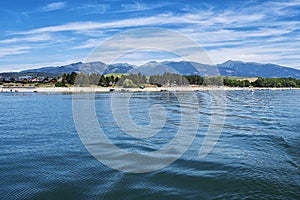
{"x": 12, "y": 80}
{"x": 25, "y": 77}
{"x": 35, "y": 80}
{"x": 60, "y": 79}
{"x": 45, "y": 80}
{"x": 24, "y": 80}
{"x": 54, "y": 80}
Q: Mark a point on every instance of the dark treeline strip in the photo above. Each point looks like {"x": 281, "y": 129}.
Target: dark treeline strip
{"x": 276, "y": 82}
{"x": 169, "y": 79}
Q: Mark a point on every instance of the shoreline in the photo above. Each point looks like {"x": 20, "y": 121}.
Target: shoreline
{"x": 118, "y": 89}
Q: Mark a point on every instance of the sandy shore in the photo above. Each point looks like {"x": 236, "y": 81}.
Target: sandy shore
{"x": 110, "y": 89}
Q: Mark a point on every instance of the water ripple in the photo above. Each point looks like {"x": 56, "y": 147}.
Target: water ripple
{"x": 256, "y": 157}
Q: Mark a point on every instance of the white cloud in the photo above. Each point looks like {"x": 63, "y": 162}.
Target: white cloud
{"x": 90, "y": 8}
{"x": 138, "y": 6}
{"x": 90, "y": 43}
{"x": 250, "y": 33}
{"x": 199, "y": 19}
{"x": 33, "y": 38}
{"x": 54, "y": 6}
{"x": 150, "y": 40}
{"x": 15, "y": 50}
{"x": 83, "y": 26}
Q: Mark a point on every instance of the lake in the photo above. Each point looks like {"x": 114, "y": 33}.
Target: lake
{"x": 257, "y": 155}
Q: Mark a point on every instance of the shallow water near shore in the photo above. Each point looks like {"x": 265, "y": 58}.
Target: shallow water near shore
{"x": 257, "y": 155}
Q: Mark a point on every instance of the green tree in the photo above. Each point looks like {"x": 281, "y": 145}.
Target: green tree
{"x": 60, "y": 84}
{"x": 94, "y": 79}
{"x": 82, "y": 80}
{"x": 102, "y": 81}
{"x": 128, "y": 83}
{"x": 71, "y": 78}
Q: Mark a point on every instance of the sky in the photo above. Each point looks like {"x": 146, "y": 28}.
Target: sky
{"x": 37, "y": 33}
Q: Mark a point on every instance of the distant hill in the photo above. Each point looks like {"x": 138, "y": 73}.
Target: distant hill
{"x": 96, "y": 67}
{"x": 181, "y": 67}
{"x": 228, "y": 68}
{"x": 251, "y": 69}
{"x": 90, "y": 67}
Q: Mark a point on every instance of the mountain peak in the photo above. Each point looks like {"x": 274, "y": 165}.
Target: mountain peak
{"x": 228, "y": 68}
{"x": 232, "y": 62}
{"x": 152, "y": 62}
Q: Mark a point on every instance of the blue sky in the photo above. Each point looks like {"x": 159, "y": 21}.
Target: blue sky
{"x": 38, "y": 33}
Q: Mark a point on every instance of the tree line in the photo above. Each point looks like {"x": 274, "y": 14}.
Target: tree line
{"x": 276, "y": 82}
{"x": 81, "y": 79}
{"x": 169, "y": 79}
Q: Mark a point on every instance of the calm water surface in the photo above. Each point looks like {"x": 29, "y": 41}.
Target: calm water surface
{"x": 257, "y": 155}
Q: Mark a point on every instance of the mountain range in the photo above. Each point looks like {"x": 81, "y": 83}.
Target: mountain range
{"x": 228, "y": 68}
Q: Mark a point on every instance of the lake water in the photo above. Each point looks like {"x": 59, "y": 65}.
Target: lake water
{"x": 257, "y": 155}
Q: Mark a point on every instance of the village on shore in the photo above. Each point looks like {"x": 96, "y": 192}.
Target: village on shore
{"x": 79, "y": 82}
